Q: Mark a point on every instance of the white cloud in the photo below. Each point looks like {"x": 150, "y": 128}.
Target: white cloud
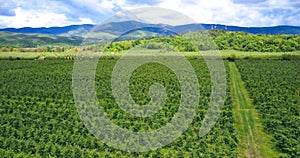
{"x": 230, "y": 13}
{"x": 85, "y": 21}
{"x": 34, "y": 18}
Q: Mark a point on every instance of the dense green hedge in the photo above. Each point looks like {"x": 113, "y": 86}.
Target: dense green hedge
{"x": 262, "y": 43}
{"x": 223, "y": 41}
{"x": 177, "y": 43}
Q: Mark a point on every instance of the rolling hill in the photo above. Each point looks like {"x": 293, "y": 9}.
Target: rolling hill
{"x": 117, "y": 28}
{"x": 72, "y": 30}
{"x": 21, "y": 40}
{"x": 76, "y": 35}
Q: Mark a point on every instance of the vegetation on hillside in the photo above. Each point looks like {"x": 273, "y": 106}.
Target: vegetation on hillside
{"x": 223, "y": 40}
{"x": 261, "y": 43}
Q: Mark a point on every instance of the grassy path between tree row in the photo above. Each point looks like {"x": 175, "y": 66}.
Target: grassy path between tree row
{"x": 253, "y": 142}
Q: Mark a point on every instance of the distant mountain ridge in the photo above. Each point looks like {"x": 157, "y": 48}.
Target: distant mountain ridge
{"x": 253, "y": 30}
{"x": 75, "y": 35}
{"x": 21, "y": 40}
{"x": 49, "y": 30}
{"x": 117, "y": 28}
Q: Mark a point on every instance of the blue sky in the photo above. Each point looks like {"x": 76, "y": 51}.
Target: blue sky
{"x": 39, "y": 13}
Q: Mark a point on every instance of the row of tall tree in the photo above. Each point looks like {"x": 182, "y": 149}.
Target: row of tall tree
{"x": 215, "y": 39}
{"x": 249, "y": 42}
{"x": 189, "y": 42}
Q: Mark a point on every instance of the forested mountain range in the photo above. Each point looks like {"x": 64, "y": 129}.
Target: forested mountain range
{"x": 117, "y": 28}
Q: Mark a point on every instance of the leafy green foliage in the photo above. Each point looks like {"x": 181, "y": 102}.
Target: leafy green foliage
{"x": 274, "y": 87}
{"x": 239, "y": 41}
{"x": 262, "y": 43}
{"x": 177, "y": 43}
{"x": 224, "y": 40}
{"x": 39, "y": 118}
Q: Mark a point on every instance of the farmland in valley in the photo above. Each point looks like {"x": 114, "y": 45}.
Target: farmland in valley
{"x": 260, "y": 116}
{"x": 39, "y": 117}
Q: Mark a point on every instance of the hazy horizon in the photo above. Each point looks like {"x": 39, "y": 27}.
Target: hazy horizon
{"x": 125, "y": 21}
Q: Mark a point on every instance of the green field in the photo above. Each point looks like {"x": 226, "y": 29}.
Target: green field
{"x": 274, "y": 88}
{"x": 149, "y": 82}
{"x": 39, "y": 117}
{"x": 253, "y": 141}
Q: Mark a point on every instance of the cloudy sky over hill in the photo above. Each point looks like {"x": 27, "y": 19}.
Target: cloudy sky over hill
{"x": 37, "y": 13}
